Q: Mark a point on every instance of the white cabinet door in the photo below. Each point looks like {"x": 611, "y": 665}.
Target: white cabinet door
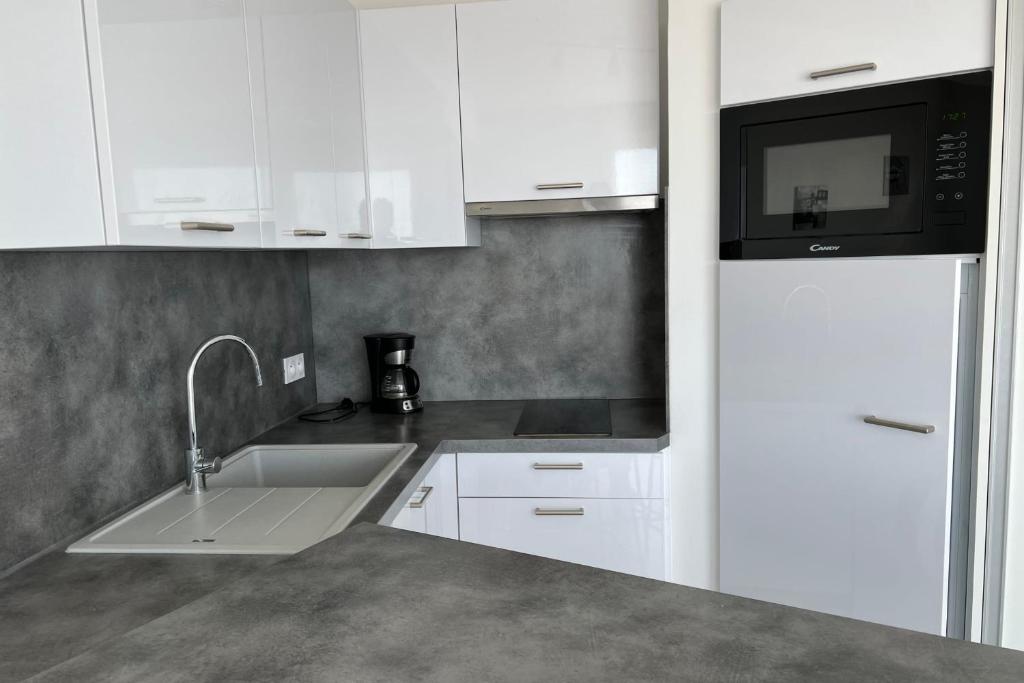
{"x": 620, "y": 535}
{"x": 559, "y": 92}
{"x": 413, "y": 136}
{"x": 819, "y": 509}
{"x": 174, "y": 117}
{"x": 51, "y": 191}
{"x": 442, "y": 507}
{"x": 309, "y": 123}
{"x": 770, "y": 49}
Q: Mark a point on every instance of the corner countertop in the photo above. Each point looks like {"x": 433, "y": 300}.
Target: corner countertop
{"x": 62, "y": 605}
{"x": 378, "y": 604}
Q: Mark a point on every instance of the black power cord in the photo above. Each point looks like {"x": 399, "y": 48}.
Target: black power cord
{"x": 346, "y": 409}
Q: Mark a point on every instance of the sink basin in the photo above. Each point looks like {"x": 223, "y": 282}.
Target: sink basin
{"x": 267, "y": 500}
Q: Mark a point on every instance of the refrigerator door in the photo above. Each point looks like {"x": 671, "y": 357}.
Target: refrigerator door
{"x": 823, "y": 507}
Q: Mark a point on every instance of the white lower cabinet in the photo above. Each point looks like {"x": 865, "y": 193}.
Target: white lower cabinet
{"x": 433, "y": 507}
{"x": 621, "y": 535}
{"x": 605, "y": 510}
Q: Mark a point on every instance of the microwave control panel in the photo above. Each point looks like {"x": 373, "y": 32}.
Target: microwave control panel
{"x": 951, "y": 163}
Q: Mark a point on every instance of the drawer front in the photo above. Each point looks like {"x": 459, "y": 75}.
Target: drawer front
{"x": 619, "y": 535}
{"x": 557, "y": 475}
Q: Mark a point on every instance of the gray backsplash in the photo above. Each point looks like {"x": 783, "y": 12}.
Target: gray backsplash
{"x": 93, "y": 353}
{"x": 547, "y": 308}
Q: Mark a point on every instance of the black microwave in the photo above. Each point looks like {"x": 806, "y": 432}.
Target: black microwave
{"x": 885, "y": 170}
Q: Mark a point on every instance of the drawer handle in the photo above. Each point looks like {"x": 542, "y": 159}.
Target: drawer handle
{"x": 426, "y": 491}
{"x": 207, "y": 227}
{"x": 558, "y": 466}
{"x": 905, "y": 426}
{"x": 558, "y": 512}
{"x": 307, "y": 232}
{"x": 560, "y": 186}
{"x": 179, "y": 200}
{"x": 852, "y": 69}
{"x": 358, "y": 236}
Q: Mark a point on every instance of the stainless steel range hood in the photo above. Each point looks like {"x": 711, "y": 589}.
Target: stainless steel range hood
{"x": 571, "y": 206}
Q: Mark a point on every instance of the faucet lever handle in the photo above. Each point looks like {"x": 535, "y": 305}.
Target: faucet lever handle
{"x": 205, "y": 466}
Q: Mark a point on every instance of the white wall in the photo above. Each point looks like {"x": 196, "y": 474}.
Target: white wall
{"x": 692, "y": 57}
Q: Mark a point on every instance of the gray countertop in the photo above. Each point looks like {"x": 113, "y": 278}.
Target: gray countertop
{"x": 378, "y": 604}
{"x": 62, "y": 605}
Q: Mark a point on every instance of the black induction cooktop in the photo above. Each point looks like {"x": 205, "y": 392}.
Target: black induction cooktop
{"x": 565, "y": 418}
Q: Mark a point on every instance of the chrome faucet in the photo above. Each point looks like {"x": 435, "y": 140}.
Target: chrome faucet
{"x": 196, "y": 464}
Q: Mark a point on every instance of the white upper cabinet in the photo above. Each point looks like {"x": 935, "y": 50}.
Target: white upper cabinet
{"x": 413, "y": 137}
{"x": 559, "y": 98}
{"x": 309, "y": 122}
{"x": 174, "y": 122}
{"x": 51, "y": 192}
{"x": 780, "y": 48}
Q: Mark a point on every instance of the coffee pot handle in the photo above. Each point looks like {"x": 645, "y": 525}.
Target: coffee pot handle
{"x": 415, "y": 380}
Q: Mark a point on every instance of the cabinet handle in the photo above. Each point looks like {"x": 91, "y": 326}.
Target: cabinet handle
{"x": 179, "y": 200}
{"x": 560, "y": 186}
{"x": 358, "y": 236}
{"x": 306, "y": 232}
{"x": 208, "y": 227}
{"x": 854, "y": 68}
{"x": 905, "y": 426}
{"x": 426, "y": 491}
{"x": 558, "y": 512}
{"x": 558, "y": 466}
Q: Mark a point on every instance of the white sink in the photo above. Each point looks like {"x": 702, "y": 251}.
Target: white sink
{"x": 267, "y": 500}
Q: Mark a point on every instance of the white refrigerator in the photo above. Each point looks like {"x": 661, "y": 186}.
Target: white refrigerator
{"x": 847, "y": 427}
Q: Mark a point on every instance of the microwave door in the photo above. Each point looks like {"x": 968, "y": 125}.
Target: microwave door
{"x": 860, "y": 173}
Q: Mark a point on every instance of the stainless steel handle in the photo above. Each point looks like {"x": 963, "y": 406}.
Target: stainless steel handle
{"x": 558, "y": 466}
{"x": 306, "y": 232}
{"x": 558, "y": 512}
{"x": 560, "y": 186}
{"x": 358, "y": 236}
{"x": 179, "y": 200}
{"x": 208, "y": 227}
{"x": 426, "y": 491}
{"x": 853, "y": 68}
{"x": 905, "y": 426}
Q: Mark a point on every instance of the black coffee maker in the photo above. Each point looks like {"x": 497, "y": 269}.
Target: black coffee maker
{"x": 394, "y": 384}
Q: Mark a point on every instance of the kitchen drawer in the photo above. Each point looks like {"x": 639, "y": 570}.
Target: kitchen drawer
{"x": 620, "y": 535}
{"x": 561, "y": 475}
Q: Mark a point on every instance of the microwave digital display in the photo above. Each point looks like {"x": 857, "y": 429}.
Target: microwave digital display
{"x": 895, "y": 169}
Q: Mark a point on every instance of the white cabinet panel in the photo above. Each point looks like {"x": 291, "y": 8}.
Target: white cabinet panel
{"x": 171, "y": 80}
{"x": 433, "y": 508}
{"x": 570, "y": 475}
{"x": 819, "y": 509}
{"x": 413, "y": 136}
{"x": 619, "y": 535}
{"x": 309, "y": 125}
{"x": 51, "y": 191}
{"x": 770, "y": 49}
{"x": 559, "y": 92}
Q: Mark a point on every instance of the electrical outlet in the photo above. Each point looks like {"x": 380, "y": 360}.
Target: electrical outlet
{"x": 294, "y": 368}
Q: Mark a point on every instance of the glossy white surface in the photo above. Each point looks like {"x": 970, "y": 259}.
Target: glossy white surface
{"x": 436, "y": 497}
{"x": 51, "y": 192}
{"x": 818, "y": 509}
{"x": 620, "y": 535}
{"x": 174, "y": 118}
{"x": 309, "y": 122}
{"x": 413, "y": 136}
{"x": 268, "y": 500}
{"x": 769, "y": 49}
{"x": 604, "y": 475}
{"x": 559, "y": 91}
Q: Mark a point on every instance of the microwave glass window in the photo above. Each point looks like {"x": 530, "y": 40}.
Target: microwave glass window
{"x": 843, "y": 174}
{"x": 810, "y": 180}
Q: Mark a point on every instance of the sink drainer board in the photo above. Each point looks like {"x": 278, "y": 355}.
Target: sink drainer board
{"x": 267, "y": 500}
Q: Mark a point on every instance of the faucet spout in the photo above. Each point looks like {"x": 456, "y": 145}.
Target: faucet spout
{"x": 197, "y": 466}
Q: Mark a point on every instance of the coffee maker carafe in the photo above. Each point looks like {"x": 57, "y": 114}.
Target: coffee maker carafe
{"x": 395, "y": 386}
